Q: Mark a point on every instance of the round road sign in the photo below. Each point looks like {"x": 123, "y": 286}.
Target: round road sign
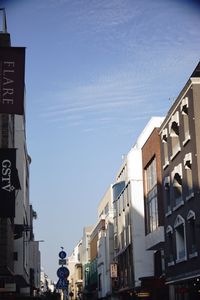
{"x": 63, "y": 272}
{"x": 62, "y": 254}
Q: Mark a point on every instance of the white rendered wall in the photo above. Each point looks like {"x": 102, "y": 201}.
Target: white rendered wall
{"x": 142, "y": 259}
{"x": 132, "y": 171}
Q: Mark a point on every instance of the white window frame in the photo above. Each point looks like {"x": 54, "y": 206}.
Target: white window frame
{"x": 192, "y": 216}
{"x": 187, "y": 161}
{"x": 164, "y": 138}
{"x": 169, "y": 232}
{"x": 180, "y": 222}
{"x": 166, "y": 184}
{"x": 177, "y": 170}
{"x": 175, "y": 149}
{"x": 185, "y": 104}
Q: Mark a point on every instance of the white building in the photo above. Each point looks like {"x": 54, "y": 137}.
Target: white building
{"x": 74, "y": 264}
{"x": 105, "y": 246}
{"x": 134, "y": 262}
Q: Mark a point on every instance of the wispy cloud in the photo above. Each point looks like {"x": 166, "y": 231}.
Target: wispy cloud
{"x": 153, "y": 52}
{"x": 103, "y": 102}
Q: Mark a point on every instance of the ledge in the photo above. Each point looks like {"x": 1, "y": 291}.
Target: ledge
{"x": 176, "y": 153}
{"x": 178, "y": 205}
{"x": 190, "y": 196}
{"x": 194, "y": 254}
{"x": 187, "y": 139}
{"x": 181, "y": 260}
{"x": 171, "y": 263}
{"x": 168, "y": 213}
{"x": 166, "y": 165}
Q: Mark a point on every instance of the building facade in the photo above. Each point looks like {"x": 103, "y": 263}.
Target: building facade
{"x": 154, "y": 212}
{"x": 18, "y": 271}
{"x": 135, "y": 263}
{"x": 74, "y": 263}
{"x": 149, "y": 235}
{"x": 180, "y": 144}
{"x": 105, "y": 246}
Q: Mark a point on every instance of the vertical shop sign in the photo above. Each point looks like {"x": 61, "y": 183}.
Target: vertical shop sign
{"x": 9, "y": 182}
{"x": 12, "y": 69}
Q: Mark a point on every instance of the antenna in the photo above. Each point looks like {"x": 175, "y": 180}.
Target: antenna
{"x": 4, "y": 24}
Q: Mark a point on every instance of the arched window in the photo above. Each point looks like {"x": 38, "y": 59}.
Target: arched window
{"x": 177, "y": 185}
{"x": 170, "y": 247}
{"x": 179, "y": 226}
{"x": 191, "y": 218}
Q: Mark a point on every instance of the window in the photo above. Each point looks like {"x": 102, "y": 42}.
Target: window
{"x": 165, "y": 147}
{"x": 128, "y": 234}
{"x": 151, "y": 177}
{"x": 185, "y": 116}
{"x": 123, "y": 201}
{"x": 179, "y": 226}
{"x": 167, "y": 194}
{"x": 119, "y": 206}
{"x": 127, "y": 228}
{"x": 122, "y": 174}
{"x": 116, "y": 246}
{"x": 122, "y": 239}
{"x": 170, "y": 254}
{"x": 79, "y": 272}
{"x": 152, "y": 210}
{"x": 128, "y": 194}
{"x": 188, "y": 169}
{"x": 192, "y": 233}
{"x": 174, "y": 133}
{"x": 106, "y": 209}
{"x": 15, "y": 256}
{"x": 177, "y": 185}
{"x": 151, "y": 196}
{"x": 99, "y": 282}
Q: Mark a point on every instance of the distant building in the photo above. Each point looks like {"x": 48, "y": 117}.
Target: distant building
{"x": 46, "y": 284}
{"x": 74, "y": 264}
{"x": 93, "y": 281}
{"x": 105, "y": 245}
{"x": 86, "y": 259}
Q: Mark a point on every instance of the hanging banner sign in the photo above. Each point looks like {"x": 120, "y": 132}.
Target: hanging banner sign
{"x": 9, "y": 182}
{"x": 12, "y": 69}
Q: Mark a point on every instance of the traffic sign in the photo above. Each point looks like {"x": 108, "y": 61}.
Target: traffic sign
{"x": 63, "y": 272}
{"x": 62, "y": 284}
{"x": 62, "y": 262}
{"x": 62, "y": 254}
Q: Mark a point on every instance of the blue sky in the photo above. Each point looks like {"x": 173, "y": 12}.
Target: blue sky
{"x": 96, "y": 71}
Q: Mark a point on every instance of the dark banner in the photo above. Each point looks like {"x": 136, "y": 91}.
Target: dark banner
{"x": 12, "y": 69}
{"x": 9, "y": 182}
